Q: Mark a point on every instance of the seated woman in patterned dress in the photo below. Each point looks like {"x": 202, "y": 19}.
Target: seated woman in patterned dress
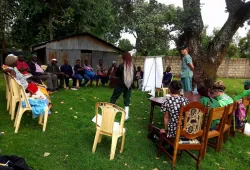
{"x": 171, "y": 108}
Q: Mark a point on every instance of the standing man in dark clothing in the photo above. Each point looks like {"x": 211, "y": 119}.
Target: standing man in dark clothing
{"x": 68, "y": 73}
{"x": 53, "y": 68}
{"x": 126, "y": 76}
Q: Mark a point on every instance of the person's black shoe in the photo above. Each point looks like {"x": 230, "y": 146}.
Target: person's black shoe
{"x": 170, "y": 150}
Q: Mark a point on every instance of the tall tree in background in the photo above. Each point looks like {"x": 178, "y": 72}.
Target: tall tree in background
{"x": 150, "y": 23}
{"x": 207, "y": 59}
{"x": 7, "y": 13}
{"x": 244, "y": 46}
{"x": 125, "y": 45}
{"x": 44, "y": 20}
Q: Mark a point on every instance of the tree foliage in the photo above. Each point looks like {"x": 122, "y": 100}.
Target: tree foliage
{"x": 208, "y": 58}
{"x": 233, "y": 51}
{"x": 150, "y": 23}
{"x": 244, "y": 46}
{"x": 43, "y": 20}
{"x": 125, "y": 45}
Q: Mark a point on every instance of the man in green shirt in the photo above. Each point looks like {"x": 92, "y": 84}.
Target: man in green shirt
{"x": 246, "y": 91}
{"x": 187, "y": 69}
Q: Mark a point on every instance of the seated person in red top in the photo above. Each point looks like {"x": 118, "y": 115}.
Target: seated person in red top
{"x": 23, "y": 67}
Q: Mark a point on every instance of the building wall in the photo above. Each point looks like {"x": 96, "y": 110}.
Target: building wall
{"x": 60, "y": 55}
{"x": 73, "y": 55}
{"x": 80, "y": 43}
{"x": 235, "y": 68}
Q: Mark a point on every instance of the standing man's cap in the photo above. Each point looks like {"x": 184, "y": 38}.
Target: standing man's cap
{"x": 183, "y": 47}
{"x": 114, "y": 62}
{"x": 54, "y": 59}
{"x": 247, "y": 83}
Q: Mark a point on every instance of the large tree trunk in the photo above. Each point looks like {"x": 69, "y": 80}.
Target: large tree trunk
{"x": 208, "y": 60}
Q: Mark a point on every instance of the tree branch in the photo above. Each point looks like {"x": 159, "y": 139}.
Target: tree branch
{"x": 232, "y": 5}
{"x": 192, "y": 12}
{"x": 237, "y": 16}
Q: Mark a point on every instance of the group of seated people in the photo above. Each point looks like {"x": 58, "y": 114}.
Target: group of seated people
{"x": 34, "y": 89}
{"x": 214, "y": 97}
{"x": 32, "y": 70}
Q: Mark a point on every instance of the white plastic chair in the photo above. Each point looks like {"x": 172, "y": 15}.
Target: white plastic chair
{"x": 21, "y": 110}
{"x": 8, "y": 94}
{"x": 15, "y": 96}
{"x": 107, "y": 126}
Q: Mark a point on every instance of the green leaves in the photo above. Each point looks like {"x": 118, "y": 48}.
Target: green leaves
{"x": 39, "y": 21}
{"x": 125, "y": 45}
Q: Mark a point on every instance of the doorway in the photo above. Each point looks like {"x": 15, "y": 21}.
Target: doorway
{"x": 86, "y": 55}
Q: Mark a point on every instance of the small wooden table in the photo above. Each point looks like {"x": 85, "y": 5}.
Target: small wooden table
{"x": 158, "y": 101}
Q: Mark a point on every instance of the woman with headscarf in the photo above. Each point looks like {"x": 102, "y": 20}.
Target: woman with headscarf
{"x": 126, "y": 75}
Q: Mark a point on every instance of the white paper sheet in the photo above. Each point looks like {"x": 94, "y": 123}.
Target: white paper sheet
{"x": 99, "y": 122}
{"x": 247, "y": 129}
{"x": 153, "y": 73}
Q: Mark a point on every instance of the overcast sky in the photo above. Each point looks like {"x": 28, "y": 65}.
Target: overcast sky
{"x": 213, "y": 15}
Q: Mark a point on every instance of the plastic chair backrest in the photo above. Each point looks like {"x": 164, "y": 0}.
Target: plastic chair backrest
{"x": 191, "y": 120}
{"x": 7, "y": 82}
{"x": 108, "y": 112}
{"x": 14, "y": 89}
{"x": 23, "y": 96}
{"x": 44, "y": 67}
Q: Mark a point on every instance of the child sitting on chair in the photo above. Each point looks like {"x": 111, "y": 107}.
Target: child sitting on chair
{"x": 167, "y": 77}
{"x": 171, "y": 109}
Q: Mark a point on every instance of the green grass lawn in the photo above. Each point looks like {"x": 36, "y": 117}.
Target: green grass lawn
{"x": 66, "y": 135}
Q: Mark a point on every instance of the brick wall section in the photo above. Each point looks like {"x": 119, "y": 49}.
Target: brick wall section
{"x": 230, "y": 67}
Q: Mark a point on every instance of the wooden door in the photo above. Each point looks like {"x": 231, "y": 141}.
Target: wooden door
{"x": 86, "y": 55}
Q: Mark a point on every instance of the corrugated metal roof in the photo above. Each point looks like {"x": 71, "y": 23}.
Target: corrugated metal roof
{"x": 75, "y": 35}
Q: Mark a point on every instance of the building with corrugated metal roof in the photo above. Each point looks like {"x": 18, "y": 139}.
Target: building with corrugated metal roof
{"x": 84, "y": 46}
